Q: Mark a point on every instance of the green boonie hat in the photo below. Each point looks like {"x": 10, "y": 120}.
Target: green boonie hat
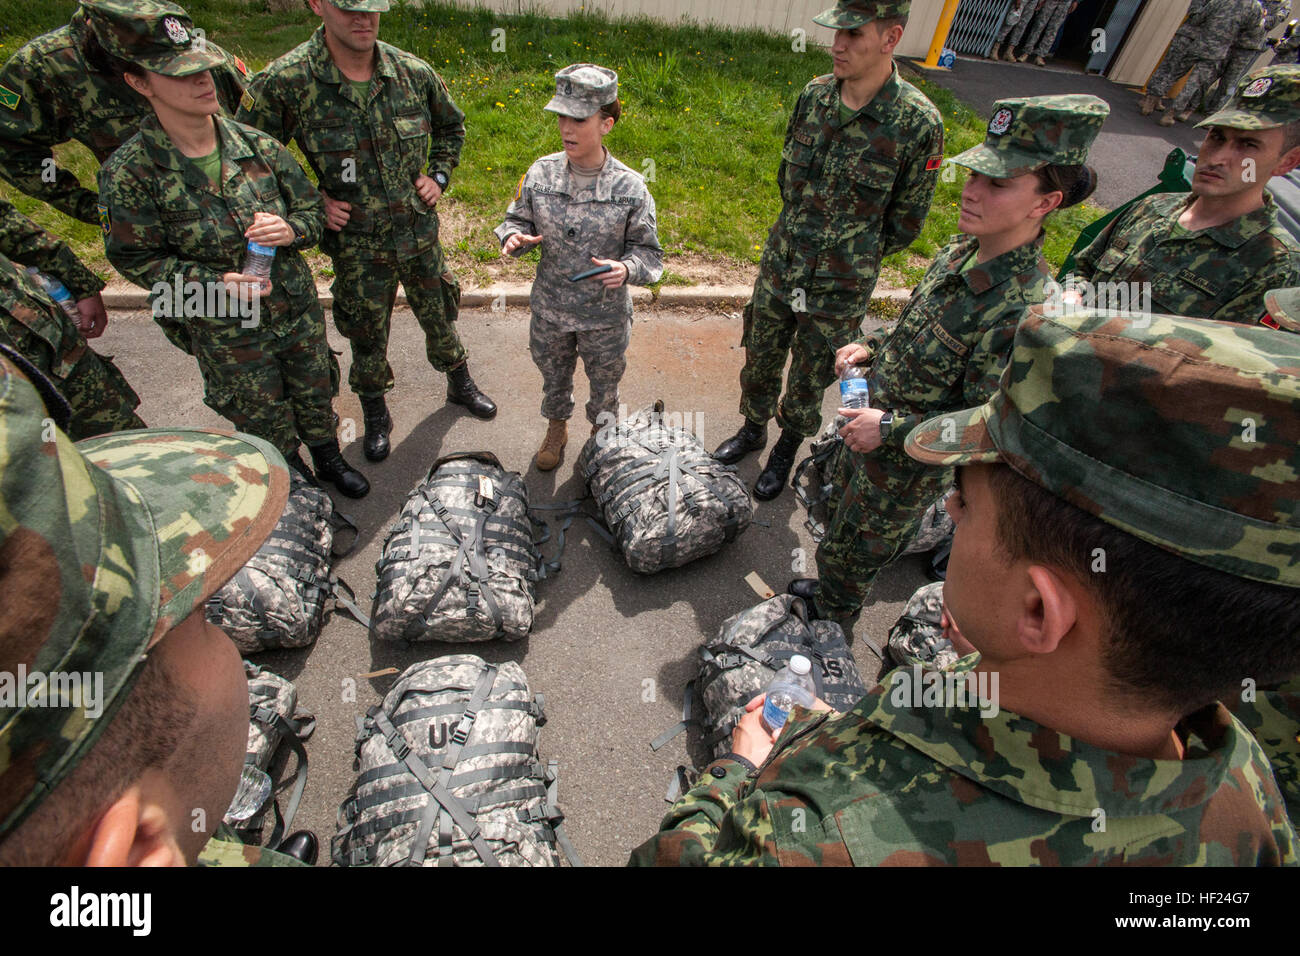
{"x": 361, "y": 6}
{"x": 156, "y": 35}
{"x": 1185, "y": 433}
{"x": 582, "y": 89}
{"x": 1282, "y": 307}
{"x": 105, "y": 545}
{"x": 1026, "y": 133}
{"x": 1265, "y": 99}
{"x": 850, "y": 14}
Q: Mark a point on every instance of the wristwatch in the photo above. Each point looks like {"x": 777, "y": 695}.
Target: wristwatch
{"x": 886, "y": 423}
{"x": 441, "y": 179}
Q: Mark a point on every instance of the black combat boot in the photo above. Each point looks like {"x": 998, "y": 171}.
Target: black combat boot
{"x": 300, "y": 466}
{"x": 301, "y": 845}
{"x": 751, "y": 437}
{"x": 331, "y": 467}
{"x": 805, "y": 588}
{"x": 378, "y": 424}
{"x": 779, "y": 463}
{"x": 461, "y": 390}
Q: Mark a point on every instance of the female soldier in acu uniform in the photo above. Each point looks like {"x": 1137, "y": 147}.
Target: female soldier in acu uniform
{"x": 953, "y": 338}
{"x": 180, "y": 202}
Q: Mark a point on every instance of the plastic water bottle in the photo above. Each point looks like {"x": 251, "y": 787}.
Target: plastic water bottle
{"x": 854, "y": 391}
{"x": 792, "y": 685}
{"x": 58, "y": 292}
{"x": 254, "y": 788}
{"x": 258, "y": 260}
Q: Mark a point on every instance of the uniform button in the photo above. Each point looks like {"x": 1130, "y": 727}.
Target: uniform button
{"x": 718, "y": 772}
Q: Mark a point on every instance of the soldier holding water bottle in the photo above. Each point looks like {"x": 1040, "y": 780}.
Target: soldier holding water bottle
{"x": 952, "y": 339}
{"x": 192, "y": 207}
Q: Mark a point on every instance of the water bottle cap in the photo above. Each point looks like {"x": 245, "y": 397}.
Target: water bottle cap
{"x": 800, "y": 664}
{"x": 260, "y": 249}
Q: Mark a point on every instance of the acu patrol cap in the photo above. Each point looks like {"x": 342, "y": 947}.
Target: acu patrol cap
{"x": 851, "y": 14}
{"x": 1185, "y": 433}
{"x": 582, "y": 89}
{"x": 1282, "y": 309}
{"x": 360, "y": 6}
{"x": 1026, "y": 133}
{"x": 1265, "y": 99}
{"x": 156, "y": 35}
{"x": 105, "y": 546}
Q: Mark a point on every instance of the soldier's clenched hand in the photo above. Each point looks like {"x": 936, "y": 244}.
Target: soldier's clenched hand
{"x": 93, "y": 317}
{"x": 615, "y": 277}
{"x": 245, "y": 288}
{"x": 862, "y": 433}
{"x": 851, "y": 354}
{"x": 428, "y": 189}
{"x": 269, "y": 229}
{"x": 337, "y": 212}
{"x": 517, "y": 239}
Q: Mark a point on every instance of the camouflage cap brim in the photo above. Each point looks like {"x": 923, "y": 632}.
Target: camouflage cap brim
{"x": 571, "y": 106}
{"x": 182, "y": 64}
{"x": 998, "y": 163}
{"x": 1182, "y": 432}
{"x": 211, "y": 498}
{"x": 1283, "y": 306}
{"x": 839, "y": 19}
{"x": 361, "y": 6}
{"x": 1242, "y": 119}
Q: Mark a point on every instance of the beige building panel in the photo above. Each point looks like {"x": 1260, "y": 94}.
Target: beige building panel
{"x": 1147, "y": 41}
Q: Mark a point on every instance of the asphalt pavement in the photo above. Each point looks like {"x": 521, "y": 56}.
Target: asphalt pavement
{"x": 1130, "y": 150}
{"x": 611, "y": 650}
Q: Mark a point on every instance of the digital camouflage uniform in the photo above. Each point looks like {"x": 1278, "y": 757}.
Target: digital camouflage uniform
{"x": 1251, "y": 40}
{"x": 1200, "y": 45}
{"x": 1218, "y": 273}
{"x": 1047, "y": 24}
{"x": 614, "y": 219}
{"x": 111, "y": 527}
{"x": 369, "y": 154}
{"x": 165, "y": 219}
{"x": 897, "y": 781}
{"x": 852, "y": 192}
{"x": 50, "y": 95}
{"x": 46, "y": 336}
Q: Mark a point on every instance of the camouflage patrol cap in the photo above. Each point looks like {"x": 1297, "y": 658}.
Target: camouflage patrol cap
{"x": 156, "y": 35}
{"x": 1265, "y": 99}
{"x": 361, "y": 6}
{"x": 1185, "y": 433}
{"x": 582, "y": 89}
{"x": 850, "y": 14}
{"x": 1026, "y": 133}
{"x": 1282, "y": 307}
{"x": 105, "y": 545}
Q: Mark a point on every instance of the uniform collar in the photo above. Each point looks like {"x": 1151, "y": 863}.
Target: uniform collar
{"x": 1014, "y": 262}
{"x": 1238, "y": 231}
{"x": 161, "y": 151}
{"x": 880, "y": 105}
{"x": 1039, "y": 767}
{"x": 323, "y": 66}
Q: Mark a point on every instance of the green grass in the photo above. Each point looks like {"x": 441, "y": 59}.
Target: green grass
{"x": 705, "y": 111}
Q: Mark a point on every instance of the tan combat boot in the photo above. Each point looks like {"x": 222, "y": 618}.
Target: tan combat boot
{"x": 1146, "y": 104}
{"x": 996, "y": 52}
{"x": 552, "y": 450}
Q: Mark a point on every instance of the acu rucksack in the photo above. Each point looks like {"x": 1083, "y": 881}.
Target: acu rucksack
{"x": 745, "y": 656}
{"x": 665, "y": 499}
{"x": 462, "y": 559}
{"x": 277, "y": 730}
{"x": 281, "y": 596}
{"x": 449, "y": 773}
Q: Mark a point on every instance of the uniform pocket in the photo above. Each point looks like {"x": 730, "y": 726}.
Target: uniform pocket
{"x": 450, "y": 296}
{"x": 328, "y": 138}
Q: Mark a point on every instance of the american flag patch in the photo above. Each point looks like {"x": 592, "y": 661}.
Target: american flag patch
{"x": 933, "y": 163}
{"x": 1271, "y": 322}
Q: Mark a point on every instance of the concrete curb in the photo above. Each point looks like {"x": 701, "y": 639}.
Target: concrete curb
{"x": 517, "y": 296}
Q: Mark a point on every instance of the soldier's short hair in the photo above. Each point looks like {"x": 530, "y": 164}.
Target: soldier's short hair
{"x": 1178, "y": 634}
{"x": 144, "y": 734}
{"x": 1291, "y": 138}
{"x": 887, "y": 22}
